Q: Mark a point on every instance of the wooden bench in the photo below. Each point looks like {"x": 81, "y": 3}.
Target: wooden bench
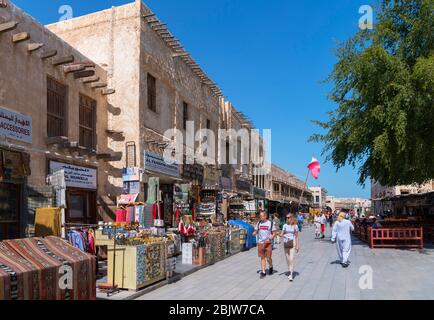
{"x": 396, "y": 238}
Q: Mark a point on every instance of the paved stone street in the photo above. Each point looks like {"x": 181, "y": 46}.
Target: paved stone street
{"x": 397, "y": 274}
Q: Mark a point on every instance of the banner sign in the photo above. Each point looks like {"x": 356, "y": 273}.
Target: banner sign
{"x": 156, "y": 163}
{"x": 75, "y": 176}
{"x": 131, "y": 174}
{"x": 15, "y": 125}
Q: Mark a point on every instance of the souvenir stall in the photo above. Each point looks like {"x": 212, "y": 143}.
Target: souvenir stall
{"x": 247, "y": 240}
{"x": 236, "y": 208}
{"x": 32, "y": 268}
{"x": 250, "y": 211}
{"x": 136, "y": 255}
{"x": 234, "y": 239}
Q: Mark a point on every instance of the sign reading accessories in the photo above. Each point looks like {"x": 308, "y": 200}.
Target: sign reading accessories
{"x": 15, "y": 125}
{"x": 75, "y": 176}
{"x": 156, "y": 163}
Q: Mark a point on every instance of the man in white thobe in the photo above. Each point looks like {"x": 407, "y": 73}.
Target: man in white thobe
{"x": 342, "y": 235}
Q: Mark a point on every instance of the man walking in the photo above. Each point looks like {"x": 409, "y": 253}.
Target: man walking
{"x": 265, "y": 232}
{"x": 323, "y": 221}
{"x": 300, "y": 219}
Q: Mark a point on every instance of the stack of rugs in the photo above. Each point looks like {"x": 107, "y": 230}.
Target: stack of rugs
{"x": 37, "y": 269}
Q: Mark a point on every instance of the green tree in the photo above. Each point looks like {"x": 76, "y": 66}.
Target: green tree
{"x": 384, "y": 87}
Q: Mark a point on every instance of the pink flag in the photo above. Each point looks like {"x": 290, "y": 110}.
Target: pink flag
{"x": 314, "y": 168}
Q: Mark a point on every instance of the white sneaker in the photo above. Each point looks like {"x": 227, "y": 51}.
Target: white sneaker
{"x": 290, "y": 278}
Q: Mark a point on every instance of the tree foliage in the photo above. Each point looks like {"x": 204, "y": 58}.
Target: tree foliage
{"x": 384, "y": 87}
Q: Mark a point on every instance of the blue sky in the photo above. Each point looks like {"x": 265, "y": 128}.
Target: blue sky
{"x": 268, "y": 57}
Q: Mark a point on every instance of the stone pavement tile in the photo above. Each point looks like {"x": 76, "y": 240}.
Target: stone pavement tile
{"x": 397, "y": 274}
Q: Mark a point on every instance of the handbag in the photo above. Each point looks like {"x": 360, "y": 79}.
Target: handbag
{"x": 288, "y": 244}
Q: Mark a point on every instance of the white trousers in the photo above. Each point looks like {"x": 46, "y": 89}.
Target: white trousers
{"x": 343, "y": 247}
{"x": 289, "y": 254}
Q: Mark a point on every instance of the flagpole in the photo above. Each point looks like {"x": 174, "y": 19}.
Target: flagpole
{"x": 302, "y": 191}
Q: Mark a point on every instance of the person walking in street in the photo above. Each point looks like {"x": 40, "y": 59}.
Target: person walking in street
{"x": 331, "y": 219}
{"x": 342, "y": 236}
{"x": 300, "y": 220}
{"x": 264, "y": 231}
{"x": 317, "y": 222}
{"x": 323, "y": 221}
{"x": 276, "y": 227}
{"x": 291, "y": 243}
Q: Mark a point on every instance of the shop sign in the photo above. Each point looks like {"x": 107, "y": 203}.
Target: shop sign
{"x": 131, "y": 187}
{"x": 226, "y": 183}
{"x": 259, "y": 193}
{"x": 156, "y": 163}
{"x": 131, "y": 174}
{"x": 193, "y": 171}
{"x": 15, "y": 125}
{"x": 76, "y": 176}
{"x": 210, "y": 175}
{"x": 243, "y": 186}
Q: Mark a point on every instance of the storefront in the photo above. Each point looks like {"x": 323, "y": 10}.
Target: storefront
{"x": 159, "y": 189}
{"x": 81, "y": 189}
{"x": 14, "y": 168}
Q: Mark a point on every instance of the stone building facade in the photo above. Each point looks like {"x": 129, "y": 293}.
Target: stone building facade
{"x": 319, "y": 197}
{"x": 287, "y": 191}
{"x": 159, "y": 87}
{"x": 50, "y": 118}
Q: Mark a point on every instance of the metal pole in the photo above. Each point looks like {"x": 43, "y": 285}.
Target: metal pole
{"x": 302, "y": 191}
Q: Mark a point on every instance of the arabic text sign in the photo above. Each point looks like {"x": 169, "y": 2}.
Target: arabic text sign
{"x": 75, "y": 176}
{"x": 15, "y": 125}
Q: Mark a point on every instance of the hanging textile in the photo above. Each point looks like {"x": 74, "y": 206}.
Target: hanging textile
{"x": 48, "y": 222}
{"x": 141, "y": 214}
{"x": 121, "y": 215}
{"x": 153, "y": 188}
{"x": 77, "y": 240}
{"x": 91, "y": 242}
{"x": 130, "y": 215}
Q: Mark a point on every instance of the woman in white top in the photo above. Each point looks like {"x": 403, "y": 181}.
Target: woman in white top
{"x": 291, "y": 242}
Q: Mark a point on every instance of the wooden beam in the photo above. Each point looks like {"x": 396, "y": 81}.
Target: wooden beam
{"x": 34, "y": 46}
{"x": 63, "y": 60}
{"x": 19, "y": 37}
{"x": 106, "y": 92}
{"x": 103, "y": 156}
{"x": 73, "y": 68}
{"x": 11, "y": 25}
{"x": 97, "y": 85}
{"x": 48, "y": 54}
{"x": 84, "y": 74}
{"x": 91, "y": 79}
{"x": 87, "y": 64}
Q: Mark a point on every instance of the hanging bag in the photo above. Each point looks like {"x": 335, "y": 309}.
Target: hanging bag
{"x": 288, "y": 244}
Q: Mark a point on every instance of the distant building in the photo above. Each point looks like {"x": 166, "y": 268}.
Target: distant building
{"x": 385, "y": 198}
{"x": 359, "y": 205}
{"x": 319, "y": 197}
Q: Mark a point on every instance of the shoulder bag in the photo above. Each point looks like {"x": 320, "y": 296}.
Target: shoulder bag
{"x": 288, "y": 244}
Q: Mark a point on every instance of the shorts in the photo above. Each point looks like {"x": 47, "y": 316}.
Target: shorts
{"x": 265, "y": 250}
{"x": 322, "y": 228}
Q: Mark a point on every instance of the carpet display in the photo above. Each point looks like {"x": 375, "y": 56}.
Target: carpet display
{"x": 33, "y": 269}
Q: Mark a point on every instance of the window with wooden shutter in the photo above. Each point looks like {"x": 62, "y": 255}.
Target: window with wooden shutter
{"x": 87, "y": 115}
{"x": 56, "y": 108}
{"x": 152, "y": 93}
